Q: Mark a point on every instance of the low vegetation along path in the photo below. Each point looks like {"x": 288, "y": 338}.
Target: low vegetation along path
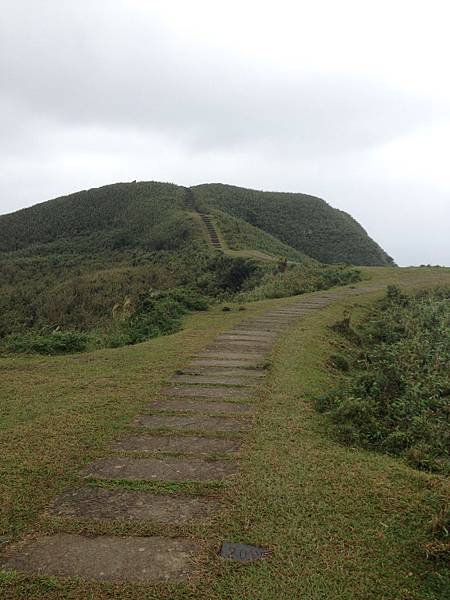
{"x": 190, "y": 436}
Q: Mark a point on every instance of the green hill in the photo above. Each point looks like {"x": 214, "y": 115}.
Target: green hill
{"x": 304, "y": 222}
{"x": 71, "y": 261}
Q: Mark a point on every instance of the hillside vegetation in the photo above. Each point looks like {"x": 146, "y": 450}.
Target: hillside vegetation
{"x": 304, "y": 222}
{"x": 395, "y": 398}
{"x": 87, "y": 261}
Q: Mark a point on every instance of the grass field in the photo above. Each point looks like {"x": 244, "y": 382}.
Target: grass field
{"x": 342, "y": 523}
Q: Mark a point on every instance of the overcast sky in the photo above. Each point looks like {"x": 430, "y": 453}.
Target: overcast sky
{"x": 346, "y": 100}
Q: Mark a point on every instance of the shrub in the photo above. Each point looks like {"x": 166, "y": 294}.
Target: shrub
{"x": 396, "y": 398}
{"x": 58, "y": 342}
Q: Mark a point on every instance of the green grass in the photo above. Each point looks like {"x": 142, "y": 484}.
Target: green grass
{"x": 342, "y": 523}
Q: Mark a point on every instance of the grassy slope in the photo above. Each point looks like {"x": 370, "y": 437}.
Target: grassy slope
{"x": 238, "y": 235}
{"x": 304, "y": 222}
{"x": 343, "y": 523}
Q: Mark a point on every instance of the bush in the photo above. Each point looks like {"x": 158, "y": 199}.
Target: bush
{"x": 58, "y": 342}
{"x": 396, "y": 398}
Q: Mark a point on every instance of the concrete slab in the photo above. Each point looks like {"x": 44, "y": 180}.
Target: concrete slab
{"x": 104, "y": 558}
{"x": 164, "y": 469}
{"x": 206, "y": 392}
{"x": 239, "y": 346}
{"x": 245, "y": 339}
{"x": 223, "y": 362}
{"x": 200, "y": 406}
{"x": 215, "y": 380}
{"x": 102, "y": 503}
{"x": 252, "y": 332}
{"x": 223, "y": 354}
{"x": 192, "y": 423}
{"x": 244, "y": 372}
{"x": 177, "y": 443}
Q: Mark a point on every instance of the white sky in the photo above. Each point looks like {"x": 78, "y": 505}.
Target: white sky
{"x": 346, "y": 100}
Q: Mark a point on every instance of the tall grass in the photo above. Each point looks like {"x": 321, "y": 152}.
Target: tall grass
{"x": 396, "y": 397}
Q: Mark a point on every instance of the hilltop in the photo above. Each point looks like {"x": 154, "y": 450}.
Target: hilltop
{"x": 70, "y": 261}
{"x": 157, "y": 216}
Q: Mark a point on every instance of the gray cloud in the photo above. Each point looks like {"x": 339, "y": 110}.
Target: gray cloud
{"x": 96, "y": 92}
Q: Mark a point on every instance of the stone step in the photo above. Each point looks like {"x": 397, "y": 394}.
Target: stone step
{"x": 206, "y": 392}
{"x": 248, "y": 373}
{"x": 252, "y": 351}
{"x": 192, "y": 423}
{"x": 220, "y": 362}
{"x": 103, "y": 503}
{"x": 242, "y": 332}
{"x": 234, "y": 338}
{"x": 160, "y": 469}
{"x": 215, "y": 380}
{"x": 176, "y": 443}
{"x": 223, "y": 354}
{"x": 240, "y": 344}
{"x": 269, "y": 326}
{"x": 200, "y": 406}
{"x": 273, "y": 321}
{"x": 104, "y": 558}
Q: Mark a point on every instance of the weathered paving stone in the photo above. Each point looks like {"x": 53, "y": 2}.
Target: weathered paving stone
{"x": 252, "y": 332}
{"x": 221, "y": 362}
{"x": 177, "y": 443}
{"x": 200, "y": 406}
{"x": 247, "y": 372}
{"x": 206, "y": 392}
{"x": 245, "y": 339}
{"x": 102, "y": 503}
{"x": 266, "y": 326}
{"x": 231, "y": 355}
{"x": 192, "y": 423}
{"x": 215, "y": 380}
{"x": 239, "y": 346}
{"x": 164, "y": 469}
{"x": 134, "y": 559}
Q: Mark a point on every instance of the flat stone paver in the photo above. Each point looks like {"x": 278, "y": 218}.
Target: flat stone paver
{"x": 215, "y": 380}
{"x": 110, "y": 558}
{"x": 102, "y": 503}
{"x": 240, "y": 346}
{"x": 222, "y": 354}
{"x": 223, "y": 362}
{"x": 206, "y": 392}
{"x": 177, "y": 443}
{"x": 269, "y": 335}
{"x": 247, "y": 372}
{"x": 192, "y": 423}
{"x": 164, "y": 469}
{"x": 245, "y": 339}
{"x": 200, "y": 406}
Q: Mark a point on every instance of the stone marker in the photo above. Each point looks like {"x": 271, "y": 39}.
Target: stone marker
{"x": 163, "y": 469}
{"x": 200, "y": 406}
{"x": 135, "y": 559}
{"x": 102, "y": 503}
{"x": 243, "y": 552}
{"x": 176, "y": 443}
{"x": 192, "y": 423}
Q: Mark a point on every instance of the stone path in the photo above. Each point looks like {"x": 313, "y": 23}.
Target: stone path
{"x": 191, "y": 434}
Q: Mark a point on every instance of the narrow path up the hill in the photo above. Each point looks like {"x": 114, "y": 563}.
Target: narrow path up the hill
{"x": 207, "y": 220}
{"x": 190, "y": 435}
